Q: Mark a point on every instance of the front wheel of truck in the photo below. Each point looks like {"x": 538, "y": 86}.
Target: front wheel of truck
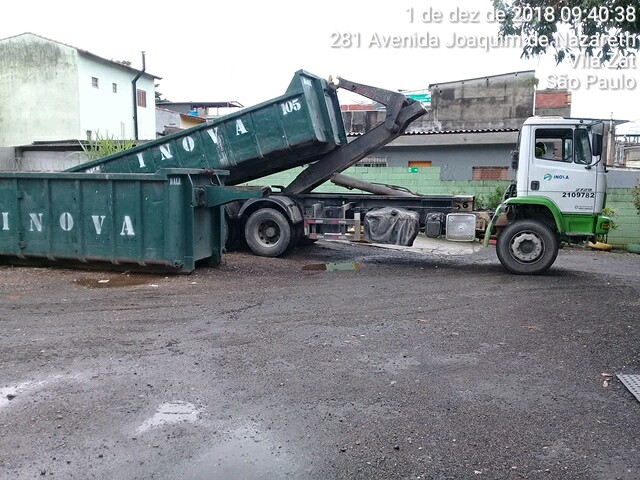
{"x": 267, "y": 232}
{"x": 527, "y": 247}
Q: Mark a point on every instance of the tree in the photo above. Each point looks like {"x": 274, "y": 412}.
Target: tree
{"x": 605, "y": 29}
{"x": 159, "y": 95}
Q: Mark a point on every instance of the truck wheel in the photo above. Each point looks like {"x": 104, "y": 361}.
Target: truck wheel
{"x": 527, "y": 247}
{"x": 267, "y": 232}
{"x": 229, "y": 233}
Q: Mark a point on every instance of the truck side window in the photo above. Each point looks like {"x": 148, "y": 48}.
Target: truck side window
{"x": 583, "y": 147}
{"x": 555, "y": 144}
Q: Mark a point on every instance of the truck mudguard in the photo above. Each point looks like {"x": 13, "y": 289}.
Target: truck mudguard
{"x": 540, "y": 201}
{"x": 285, "y": 204}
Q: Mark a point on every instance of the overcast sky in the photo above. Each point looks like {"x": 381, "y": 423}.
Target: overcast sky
{"x": 248, "y": 50}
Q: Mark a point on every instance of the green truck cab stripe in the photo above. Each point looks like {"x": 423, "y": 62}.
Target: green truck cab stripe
{"x": 569, "y": 224}
{"x": 542, "y": 201}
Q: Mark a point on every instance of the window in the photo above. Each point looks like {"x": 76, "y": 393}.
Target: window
{"x": 114, "y": 87}
{"x": 490, "y": 173}
{"x": 554, "y": 144}
{"x": 94, "y": 82}
{"x": 372, "y": 162}
{"x": 583, "y": 147}
{"x": 142, "y": 98}
{"x": 419, "y": 163}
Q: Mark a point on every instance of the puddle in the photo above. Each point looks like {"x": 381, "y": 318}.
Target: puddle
{"x": 10, "y": 393}
{"x": 333, "y": 267}
{"x": 168, "y": 413}
{"x": 113, "y": 281}
{"x": 246, "y": 455}
{"x": 20, "y": 391}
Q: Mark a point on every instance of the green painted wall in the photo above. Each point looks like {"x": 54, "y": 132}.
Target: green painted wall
{"x": 427, "y": 181}
{"x": 626, "y": 219}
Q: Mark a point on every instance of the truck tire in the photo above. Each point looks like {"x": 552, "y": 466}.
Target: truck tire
{"x": 229, "y": 235}
{"x": 527, "y": 247}
{"x": 267, "y": 232}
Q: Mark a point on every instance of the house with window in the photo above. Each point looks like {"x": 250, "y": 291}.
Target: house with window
{"x": 175, "y": 116}
{"x": 50, "y": 91}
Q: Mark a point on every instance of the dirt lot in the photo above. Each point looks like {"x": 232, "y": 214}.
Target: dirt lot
{"x": 410, "y": 366}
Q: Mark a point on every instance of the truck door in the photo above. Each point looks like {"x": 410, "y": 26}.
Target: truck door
{"x": 558, "y": 170}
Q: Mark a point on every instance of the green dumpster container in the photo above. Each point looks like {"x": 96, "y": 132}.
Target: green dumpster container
{"x": 162, "y": 221}
{"x": 288, "y": 131}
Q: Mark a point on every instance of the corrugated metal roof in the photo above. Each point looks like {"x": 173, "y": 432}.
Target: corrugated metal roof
{"x": 229, "y": 104}
{"x": 450, "y": 132}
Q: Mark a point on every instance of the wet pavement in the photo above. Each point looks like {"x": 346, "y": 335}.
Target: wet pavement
{"x": 338, "y": 361}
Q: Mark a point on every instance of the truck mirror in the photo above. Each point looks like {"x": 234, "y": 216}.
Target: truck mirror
{"x": 514, "y": 159}
{"x": 596, "y": 144}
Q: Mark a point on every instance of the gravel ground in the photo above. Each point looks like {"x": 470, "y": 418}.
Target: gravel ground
{"x": 339, "y": 361}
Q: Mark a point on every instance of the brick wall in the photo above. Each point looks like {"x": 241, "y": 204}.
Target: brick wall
{"x": 553, "y": 102}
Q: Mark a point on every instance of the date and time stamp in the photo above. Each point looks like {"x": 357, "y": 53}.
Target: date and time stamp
{"x": 615, "y": 74}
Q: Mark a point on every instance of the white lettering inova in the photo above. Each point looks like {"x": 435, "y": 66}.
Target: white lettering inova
{"x": 240, "y": 129}
{"x": 213, "y": 133}
{"x": 165, "y": 152}
{"x": 140, "y": 160}
{"x": 98, "y": 220}
{"x": 127, "y": 227}
{"x": 36, "y": 222}
{"x": 66, "y": 222}
{"x": 188, "y": 144}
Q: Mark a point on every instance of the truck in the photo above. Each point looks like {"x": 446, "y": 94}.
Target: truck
{"x": 557, "y": 196}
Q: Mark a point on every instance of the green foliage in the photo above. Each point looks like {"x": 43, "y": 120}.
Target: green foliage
{"x": 611, "y": 213}
{"x": 636, "y": 196}
{"x": 492, "y": 200}
{"x": 159, "y": 97}
{"x": 601, "y": 19}
{"x": 103, "y": 146}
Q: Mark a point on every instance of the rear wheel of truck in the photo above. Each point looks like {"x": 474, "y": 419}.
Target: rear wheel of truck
{"x": 267, "y": 232}
{"x": 527, "y": 247}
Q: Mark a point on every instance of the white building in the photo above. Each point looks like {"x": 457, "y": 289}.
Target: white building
{"x": 52, "y": 91}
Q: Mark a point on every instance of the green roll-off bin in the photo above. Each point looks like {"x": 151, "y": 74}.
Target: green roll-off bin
{"x": 163, "y": 221}
{"x": 292, "y": 130}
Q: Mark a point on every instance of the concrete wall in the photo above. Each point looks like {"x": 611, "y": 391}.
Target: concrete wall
{"x": 454, "y": 162}
{"x": 166, "y": 118}
{"x": 499, "y": 101}
{"x": 7, "y": 158}
{"x": 43, "y": 161}
{"x": 454, "y": 153}
{"x": 38, "y": 91}
{"x": 428, "y": 181}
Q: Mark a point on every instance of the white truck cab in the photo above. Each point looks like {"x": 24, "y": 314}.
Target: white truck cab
{"x": 558, "y": 196}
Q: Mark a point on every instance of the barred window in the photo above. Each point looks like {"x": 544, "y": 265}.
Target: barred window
{"x": 372, "y": 162}
{"x": 490, "y": 173}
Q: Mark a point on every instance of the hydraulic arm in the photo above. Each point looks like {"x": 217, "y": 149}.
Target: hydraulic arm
{"x": 401, "y": 111}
